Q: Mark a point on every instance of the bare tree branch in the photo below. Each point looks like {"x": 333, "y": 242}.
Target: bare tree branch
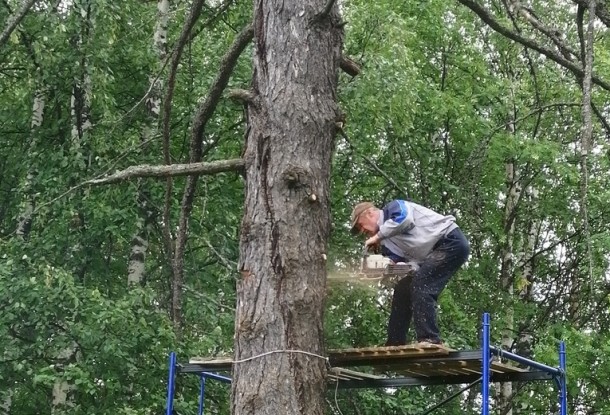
{"x": 171, "y": 82}
{"x": 549, "y": 32}
{"x": 15, "y": 20}
{"x": 195, "y": 12}
{"x": 202, "y": 116}
{"x": 488, "y": 18}
{"x": 374, "y": 165}
{"x": 601, "y": 10}
{"x": 242, "y": 95}
{"x": 229, "y": 264}
{"x": 170, "y": 170}
{"x": 587, "y": 126}
{"x": 205, "y": 111}
{"x": 216, "y": 14}
{"x": 349, "y": 66}
{"x": 602, "y": 119}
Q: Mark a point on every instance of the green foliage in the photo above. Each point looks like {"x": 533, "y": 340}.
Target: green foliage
{"x": 55, "y": 329}
{"x": 441, "y": 106}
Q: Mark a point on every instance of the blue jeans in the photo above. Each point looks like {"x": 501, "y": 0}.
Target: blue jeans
{"x": 416, "y": 297}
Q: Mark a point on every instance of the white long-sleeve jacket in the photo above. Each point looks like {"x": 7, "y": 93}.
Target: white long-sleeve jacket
{"x": 411, "y": 230}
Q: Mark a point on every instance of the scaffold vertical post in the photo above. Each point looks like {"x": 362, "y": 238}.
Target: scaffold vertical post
{"x": 485, "y": 357}
{"x": 169, "y": 409}
{"x": 201, "y": 394}
{"x": 563, "y": 394}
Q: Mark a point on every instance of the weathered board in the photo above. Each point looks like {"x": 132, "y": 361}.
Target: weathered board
{"x": 423, "y": 361}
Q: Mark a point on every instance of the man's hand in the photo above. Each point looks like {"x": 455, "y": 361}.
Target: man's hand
{"x": 372, "y": 240}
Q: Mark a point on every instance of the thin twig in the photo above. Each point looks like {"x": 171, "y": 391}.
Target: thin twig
{"x": 373, "y": 164}
{"x": 15, "y": 20}
{"x": 232, "y": 265}
{"x": 488, "y": 18}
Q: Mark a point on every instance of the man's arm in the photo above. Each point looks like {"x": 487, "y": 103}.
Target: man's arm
{"x": 400, "y": 219}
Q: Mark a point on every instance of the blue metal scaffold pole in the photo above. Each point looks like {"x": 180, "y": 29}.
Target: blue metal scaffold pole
{"x": 559, "y": 374}
{"x": 541, "y": 372}
{"x": 201, "y": 395}
{"x": 563, "y": 389}
{"x": 486, "y": 357}
{"x": 171, "y": 385}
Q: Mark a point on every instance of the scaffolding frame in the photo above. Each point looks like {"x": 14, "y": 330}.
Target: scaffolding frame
{"x": 536, "y": 372}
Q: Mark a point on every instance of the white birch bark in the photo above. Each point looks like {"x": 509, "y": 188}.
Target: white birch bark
{"x": 505, "y": 389}
{"x": 80, "y": 110}
{"x": 6, "y": 401}
{"x": 524, "y": 285}
{"x": 139, "y": 242}
{"x": 24, "y": 222}
{"x": 14, "y": 20}
{"x": 61, "y": 389}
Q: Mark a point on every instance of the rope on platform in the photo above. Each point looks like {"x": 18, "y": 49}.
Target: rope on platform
{"x": 282, "y": 351}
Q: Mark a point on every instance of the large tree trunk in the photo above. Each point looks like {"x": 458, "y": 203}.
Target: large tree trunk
{"x": 286, "y": 223}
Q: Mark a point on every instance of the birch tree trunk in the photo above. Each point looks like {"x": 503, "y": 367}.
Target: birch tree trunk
{"x": 286, "y": 223}
{"x": 139, "y": 241}
{"x": 80, "y": 111}
{"x": 6, "y": 401}
{"x": 513, "y": 190}
{"x": 24, "y": 223}
{"x": 524, "y": 286}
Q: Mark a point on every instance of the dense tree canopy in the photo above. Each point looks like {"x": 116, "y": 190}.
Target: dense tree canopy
{"x": 495, "y": 111}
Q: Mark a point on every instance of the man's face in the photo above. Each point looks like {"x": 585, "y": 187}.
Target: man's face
{"x": 367, "y": 222}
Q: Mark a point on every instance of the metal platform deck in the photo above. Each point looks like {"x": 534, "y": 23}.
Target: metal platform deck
{"x": 411, "y": 365}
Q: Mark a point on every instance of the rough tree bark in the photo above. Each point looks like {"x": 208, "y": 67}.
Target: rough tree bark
{"x": 286, "y": 223}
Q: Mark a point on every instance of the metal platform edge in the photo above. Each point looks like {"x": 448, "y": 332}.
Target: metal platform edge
{"x": 395, "y": 382}
{"x": 405, "y": 381}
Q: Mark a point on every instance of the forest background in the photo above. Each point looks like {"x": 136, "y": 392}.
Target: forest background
{"x": 495, "y": 111}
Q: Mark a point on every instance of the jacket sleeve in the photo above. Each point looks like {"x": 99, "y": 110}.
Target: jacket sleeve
{"x": 389, "y": 254}
{"x": 399, "y": 220}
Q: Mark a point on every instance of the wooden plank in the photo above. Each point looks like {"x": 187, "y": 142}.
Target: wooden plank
{"x": 507, "y": 367}
{"x": 416, "y": 360}
{"x": 222, "y": 360}
{"x": 389, "y": 352}
{"x": 445, "y": 368}
{"x": 349, "y": 372}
